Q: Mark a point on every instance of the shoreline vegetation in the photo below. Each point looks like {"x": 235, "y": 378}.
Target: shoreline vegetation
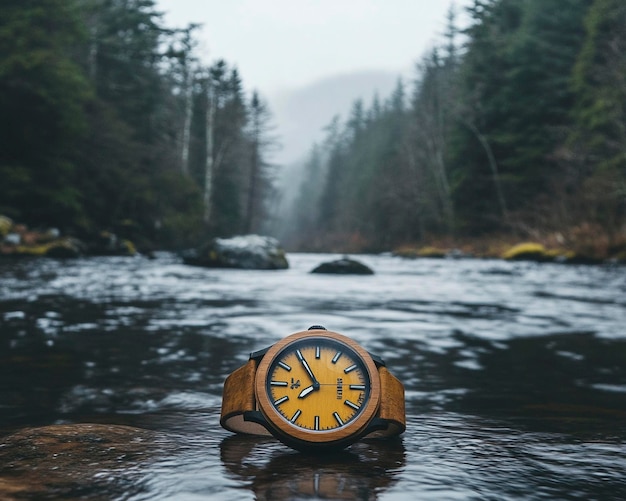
{"x": 18, "y": 240}
{"x": 510, "y": 249}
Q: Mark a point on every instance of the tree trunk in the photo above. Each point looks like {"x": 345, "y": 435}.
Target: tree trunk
{"x": 252, "y": 182}
{"x": 187, "y": 120}
{"x": 209, "y": 165}
{"x": 493, "y": 166}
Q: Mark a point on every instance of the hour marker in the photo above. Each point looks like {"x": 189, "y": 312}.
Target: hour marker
{"x": 336, "y": 416}
{"x": 316, "y": 423}
{"x": 284, "y": 365}
{"x": 295, "y": 416}
{"x": 352, "y": 404}
{"x": 317, "y": 352}
{"x": 279, "y": 383}
{"x": 350, "y": 369}
{"x": 336, "y": 357}
{"x": 281, "y": 400}
{"x": 360, "y": 387}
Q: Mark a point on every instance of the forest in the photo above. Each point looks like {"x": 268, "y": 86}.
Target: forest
{"x": 112, "y": 122}
{"x": 514, "y": 127}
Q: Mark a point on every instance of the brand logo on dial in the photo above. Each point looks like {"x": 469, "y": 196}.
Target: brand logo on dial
{"x": 339, "y": 388}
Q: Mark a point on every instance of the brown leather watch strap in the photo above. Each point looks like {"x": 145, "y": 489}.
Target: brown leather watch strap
{"x": 238, "y": 397}
{"x": 391, "y": 407}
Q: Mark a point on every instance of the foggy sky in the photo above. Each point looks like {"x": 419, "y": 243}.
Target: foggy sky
{"x": 311, "y": 58}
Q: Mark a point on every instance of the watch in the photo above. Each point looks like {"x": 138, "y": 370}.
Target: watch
{"x": 314, "y": 389}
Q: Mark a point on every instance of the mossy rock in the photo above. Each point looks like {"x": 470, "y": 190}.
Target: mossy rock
{"x": 32, "y": 250}
{"x": 247, "y": 252}
{"x": 75, "y": 461}
{"x": 131, "y": 250}
{"x": 416, "y": 252}
{"x": 431, "y": 252}
{"x": 406, "y": 252}
{"x": 528, "y": 251}
{"x": 5, "y": 226}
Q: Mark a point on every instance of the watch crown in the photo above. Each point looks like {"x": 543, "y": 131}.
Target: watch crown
{"x": 317, "y": 328}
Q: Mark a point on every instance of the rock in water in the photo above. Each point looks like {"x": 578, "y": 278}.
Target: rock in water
{"x": 343, "y": 266}
{"x": 249, "y": 252}
{"x": 74, "y": 461}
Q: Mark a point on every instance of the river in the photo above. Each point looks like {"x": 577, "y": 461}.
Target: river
{"x": 515, "y": 373}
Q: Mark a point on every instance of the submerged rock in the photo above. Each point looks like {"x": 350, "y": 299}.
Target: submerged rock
{"x": 249, "y": 252}
{"x": 343, "y": 266}
{"x": 71, "y": 460}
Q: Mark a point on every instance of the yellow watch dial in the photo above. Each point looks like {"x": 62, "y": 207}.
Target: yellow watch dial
{"x": 318, "y": 384}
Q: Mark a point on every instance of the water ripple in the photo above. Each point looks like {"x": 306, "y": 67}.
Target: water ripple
{"x": 515, "y": 373}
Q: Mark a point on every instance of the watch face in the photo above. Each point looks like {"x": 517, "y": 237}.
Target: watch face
{"x": 318, "y": 384}
{"x": 317, "y": 388}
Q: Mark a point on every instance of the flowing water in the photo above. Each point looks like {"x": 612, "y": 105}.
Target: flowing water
{"x": 515, "y": 374}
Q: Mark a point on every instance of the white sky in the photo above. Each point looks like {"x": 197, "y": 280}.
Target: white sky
{"x": 282, "y": 46}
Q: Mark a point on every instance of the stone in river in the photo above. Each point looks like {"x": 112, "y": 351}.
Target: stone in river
{"x": 72, "y": 460}
{"x": 249, "y": 252}
{"x": 343, "y": 266}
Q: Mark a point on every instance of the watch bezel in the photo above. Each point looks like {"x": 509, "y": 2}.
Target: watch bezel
{"x": 300, "y": 437}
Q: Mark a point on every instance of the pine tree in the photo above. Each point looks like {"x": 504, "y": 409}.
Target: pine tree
{"x": 259, "y": 179}
{"x": 516, "y": 97}
{"x": 595, "y": 167}
{"x": 42, "y": 97}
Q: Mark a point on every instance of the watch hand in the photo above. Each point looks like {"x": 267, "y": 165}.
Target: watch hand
{"x": 306, "y": 391}
{"x": 308, "y": 370}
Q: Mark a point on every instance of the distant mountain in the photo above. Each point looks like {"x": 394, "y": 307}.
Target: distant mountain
{"x": 302, "y": 113}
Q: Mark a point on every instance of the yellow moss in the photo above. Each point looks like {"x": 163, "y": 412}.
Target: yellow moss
{"x": 33, "y": 250}
{"x": 405, "y": 252}
{"x": 44, "y": 248}
{"x": 526, "y": 250}
{"x": 130, "y": 247}
{"x": 5, "y": 225}
{"x": 430, "y": 252}
{"x": 414, "y": 252}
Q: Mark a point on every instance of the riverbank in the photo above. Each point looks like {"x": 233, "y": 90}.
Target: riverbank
{"x": 585, "y": 243}
{"x": 581, "y": 247}
{"x": 19, "y": 240}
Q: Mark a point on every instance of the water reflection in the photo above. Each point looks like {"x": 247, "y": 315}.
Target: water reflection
{"x": 363, "y": 472}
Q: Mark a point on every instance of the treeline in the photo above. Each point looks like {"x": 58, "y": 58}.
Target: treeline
{"x": 515, "y": 126}
{"x": 111, "y": 121}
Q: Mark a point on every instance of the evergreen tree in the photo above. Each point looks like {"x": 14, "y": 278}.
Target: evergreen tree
{"x": 516, "y": 97}
{"x": 595, "y": 165}
{"x": 259, "y": 176}
{"x": 42, "y": 97}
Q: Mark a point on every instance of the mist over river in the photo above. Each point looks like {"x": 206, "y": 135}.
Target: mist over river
{"x": 515, "y": 374}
